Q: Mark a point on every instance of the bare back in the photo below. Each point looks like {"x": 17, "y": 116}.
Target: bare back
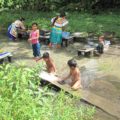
{"x": 75, "y": 75}
{"x": 50, "y": 66}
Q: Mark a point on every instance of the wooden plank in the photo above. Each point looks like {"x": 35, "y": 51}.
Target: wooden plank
{"x": 86, "y": 50}
{"x": 105, "y": 104}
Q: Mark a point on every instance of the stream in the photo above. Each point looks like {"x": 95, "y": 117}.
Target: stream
{"x": 99, "y": 75}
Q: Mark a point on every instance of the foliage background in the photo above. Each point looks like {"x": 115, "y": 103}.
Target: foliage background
{"x": 73, "y": 5}
{"x": 22, "y": 99}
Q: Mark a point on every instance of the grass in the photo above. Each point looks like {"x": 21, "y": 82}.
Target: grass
{"x": 20, "y": 98}
{"x": 83, "y": 22}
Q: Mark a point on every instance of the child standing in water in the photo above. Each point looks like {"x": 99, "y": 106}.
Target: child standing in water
{"x": 34, "y": 39}
{"x": 100, "y": 47}
{"x": 74, "y": 74}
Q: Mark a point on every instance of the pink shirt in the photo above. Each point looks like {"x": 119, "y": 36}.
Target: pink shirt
{"x": 33, "y": 37}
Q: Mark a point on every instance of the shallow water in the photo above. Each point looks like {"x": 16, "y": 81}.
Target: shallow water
{"x": 92, "y": 69}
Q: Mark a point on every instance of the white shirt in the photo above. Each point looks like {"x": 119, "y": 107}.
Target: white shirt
{"x": 59, "y": 22}
{"x": 19, "y": 24}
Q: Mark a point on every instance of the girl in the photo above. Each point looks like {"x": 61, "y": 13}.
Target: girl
{"x": 34, "y": 39}
{"x": 56, "y": 34}
{"x": 16, "y": 26}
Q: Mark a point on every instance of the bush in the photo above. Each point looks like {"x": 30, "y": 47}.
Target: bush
{"x": 20, "y": 98}
{"x": 78, "y": 22}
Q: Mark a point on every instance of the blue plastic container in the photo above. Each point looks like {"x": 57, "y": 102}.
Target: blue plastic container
{"x": 65, "y": 35}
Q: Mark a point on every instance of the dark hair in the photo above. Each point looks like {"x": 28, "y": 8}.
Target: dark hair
{"x": 45, "y": 55}
{"x": 54, "y": 20}
{"x": 34, "y": 24}
{"x": 62, "y": 14}
{"x": 72, "y": 63}
{"x": 22, "y": 19}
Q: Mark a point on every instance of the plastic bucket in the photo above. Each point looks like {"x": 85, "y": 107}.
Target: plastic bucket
{"x": 65, "y": 34}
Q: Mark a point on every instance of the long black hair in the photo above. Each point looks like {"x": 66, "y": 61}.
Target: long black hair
{"x": 62, "y": 14}
{"x": 55, "y": 20}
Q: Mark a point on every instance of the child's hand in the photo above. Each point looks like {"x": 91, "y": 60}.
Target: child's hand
{"x": 29, "y": 40}
{"x": 61, "y": 82}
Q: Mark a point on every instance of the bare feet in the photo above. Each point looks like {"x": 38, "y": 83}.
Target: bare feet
{"x": 58, "y": 46}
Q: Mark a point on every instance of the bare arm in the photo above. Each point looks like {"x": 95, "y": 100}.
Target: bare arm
{"x": 39, "y": 59}
{"x": 61, "y": 80}
{"x": 54, "y": 67}
{"x": 65, "y": 78}
{"x": 22, "y": 26}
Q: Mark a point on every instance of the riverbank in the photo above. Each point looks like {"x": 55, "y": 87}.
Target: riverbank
{"x": 78, "y": 21}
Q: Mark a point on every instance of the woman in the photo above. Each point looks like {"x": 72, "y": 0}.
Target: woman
{"x": 15, "y": 27}
{"x": 58, "y": 24}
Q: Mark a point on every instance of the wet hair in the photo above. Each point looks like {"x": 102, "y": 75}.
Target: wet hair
{"x": 72, "y": 63}
{"x": 45, "y": 55}
{"x": 62, "y": 14}
{"x": 34, "y": 24}
{"x": 22, "y": 19}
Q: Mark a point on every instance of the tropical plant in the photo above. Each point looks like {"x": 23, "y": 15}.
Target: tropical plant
{"x": 22, "y": 99}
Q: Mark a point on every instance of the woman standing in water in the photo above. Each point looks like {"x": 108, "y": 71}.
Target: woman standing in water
{"x": 58, "y": 23}
{"x": 16, "y": 27}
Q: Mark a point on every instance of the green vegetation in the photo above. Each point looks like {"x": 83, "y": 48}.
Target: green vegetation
{"x": 83, "y": 22}
{"x": 20, "y": 98}
{"x": 49, "y": 5}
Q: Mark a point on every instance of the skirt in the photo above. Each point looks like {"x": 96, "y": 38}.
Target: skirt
{"x": 56, "y": 35}
{"x": 10, "y": 35}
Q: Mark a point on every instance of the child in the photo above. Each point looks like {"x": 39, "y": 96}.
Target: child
{"x": 34, "y": 39}
{"x": 49, "y": 63}
{"x": 74, "y": 74}
{"x": 100, "y": 47}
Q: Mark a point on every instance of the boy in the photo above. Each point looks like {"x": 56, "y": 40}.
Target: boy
{"x": 74, "y": 74}
{"x": 49, "y": 63}
{"x": 100, "y": 47}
